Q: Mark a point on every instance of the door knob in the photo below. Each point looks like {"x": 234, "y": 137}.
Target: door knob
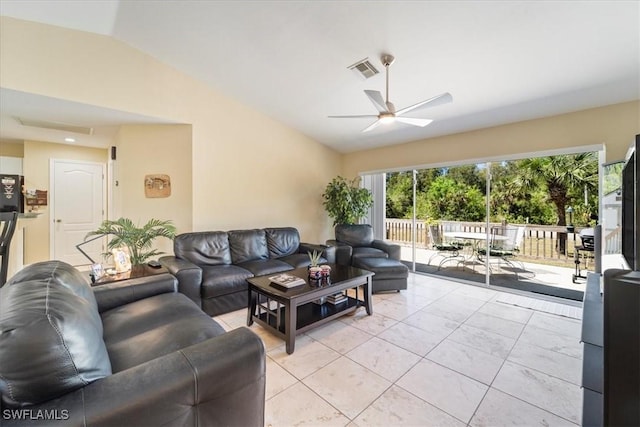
{"x": 58, "y": 220}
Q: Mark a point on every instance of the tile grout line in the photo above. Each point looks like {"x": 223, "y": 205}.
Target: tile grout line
{"x": 497, "y": 373}
{"x": 424, "y": 357}
{"x": 516, "y": 397}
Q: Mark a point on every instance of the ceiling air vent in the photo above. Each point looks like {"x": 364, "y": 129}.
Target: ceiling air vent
{"x": 364, "y": 69}
{"x": 55, "y": 126}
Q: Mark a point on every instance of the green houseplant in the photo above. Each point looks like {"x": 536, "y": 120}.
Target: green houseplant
{"x": 314, "y": 258}
{"x": 137, "y": 240}
{"x": 345, "y": 201}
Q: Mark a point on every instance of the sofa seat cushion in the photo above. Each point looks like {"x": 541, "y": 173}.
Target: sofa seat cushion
{"x": 131, "y": 319}
{"x": 384, "y": 268}
{"x": 223, "y": 279}
{"x": 146, "y": 329}
{"x": 299, "y": 260}
{"x": 368, "y": 253}
{"x": 262, "y": 267}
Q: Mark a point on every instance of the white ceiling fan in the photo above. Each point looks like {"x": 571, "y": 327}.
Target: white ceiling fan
{"x": 387, "y": 111}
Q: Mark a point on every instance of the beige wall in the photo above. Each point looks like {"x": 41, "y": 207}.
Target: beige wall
{"x": 11, "y": 149}
{"x": 248, "y": 170}
{"x": 614, "y": 126}
{"x": 154, "y": 149}
{"x": 37, "y": 156}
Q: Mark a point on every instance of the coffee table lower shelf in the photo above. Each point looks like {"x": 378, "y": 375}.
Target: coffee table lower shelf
{"x": 309, "y": 316}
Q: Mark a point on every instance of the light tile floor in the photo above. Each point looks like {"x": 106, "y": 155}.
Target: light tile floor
{"x": 440, "y": 353}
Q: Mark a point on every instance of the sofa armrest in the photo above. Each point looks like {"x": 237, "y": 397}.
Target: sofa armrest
{"x": 392, "y": 249}
{"x": 343, "y": 252}
{"x": 328, "y": 252}
{"x": 123, "y": 292}
{"x": 189, "y": 276}
{"x": 220, "y": 381}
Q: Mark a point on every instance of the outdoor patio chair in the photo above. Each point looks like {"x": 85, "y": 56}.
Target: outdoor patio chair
{"x": 506, "y": 250}
{"x": 448, "y": 250}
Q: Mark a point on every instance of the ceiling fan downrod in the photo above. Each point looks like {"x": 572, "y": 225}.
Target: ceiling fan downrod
{"x": 387, "y": 60}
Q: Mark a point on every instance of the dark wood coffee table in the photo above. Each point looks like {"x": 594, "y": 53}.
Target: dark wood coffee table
{"x": 288, "y": 312}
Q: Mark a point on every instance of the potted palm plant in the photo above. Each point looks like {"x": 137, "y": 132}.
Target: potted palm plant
{"x": 137, "y": 240}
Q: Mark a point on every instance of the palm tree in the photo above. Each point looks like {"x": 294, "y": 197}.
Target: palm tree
{"x": 559, "y": 175}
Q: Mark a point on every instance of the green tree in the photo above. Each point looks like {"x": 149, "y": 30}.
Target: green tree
{"x": 469, "y": 175}
{"x": 510, "y": 204}
{"x": 559, "y": 176}
{"x": 448, "y": 199}
{"x": 399, "y": 195}
{"x": 612, "y": 180}
{"x": 425, "y": 177}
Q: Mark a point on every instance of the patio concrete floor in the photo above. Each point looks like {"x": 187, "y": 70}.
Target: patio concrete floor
{"x": 534, "y": 277}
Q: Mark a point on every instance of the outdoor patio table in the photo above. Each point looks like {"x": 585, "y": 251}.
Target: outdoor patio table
{"x": 475, "y": 238}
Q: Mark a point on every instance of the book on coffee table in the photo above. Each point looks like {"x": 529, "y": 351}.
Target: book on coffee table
{"x": 287, "y": 280}
{"x": 337, "y": 298}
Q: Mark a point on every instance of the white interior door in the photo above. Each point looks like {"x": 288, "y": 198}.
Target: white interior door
{"x": 78, "y": 206}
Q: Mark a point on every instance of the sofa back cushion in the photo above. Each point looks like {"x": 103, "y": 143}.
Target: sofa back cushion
{"x": 203, "y": 248}
{"x": 248, "y": 245}
{"x": 62, "y": 274}
{"x": 51, "y": 337}
{"x": 282, "y": 241}
{"x": 356, "y": 235}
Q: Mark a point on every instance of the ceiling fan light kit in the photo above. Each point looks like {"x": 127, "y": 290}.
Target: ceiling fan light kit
{"x": 387, "y": 111}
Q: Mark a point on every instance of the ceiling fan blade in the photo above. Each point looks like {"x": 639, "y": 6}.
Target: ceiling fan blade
{"x": 412, "y": 121}
{"x": 365, "y": 116}
{"x": 372, "y": 126}
{"x": 431, "y": 102}
{"x": 378, "y": 101}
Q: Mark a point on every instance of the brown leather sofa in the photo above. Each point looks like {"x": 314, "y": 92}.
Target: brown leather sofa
{"x": 212, "y": 267}
{"x": 129, "y": 353}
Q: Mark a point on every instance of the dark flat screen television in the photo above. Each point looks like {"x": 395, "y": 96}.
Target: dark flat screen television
{"x": 631, "y": 207}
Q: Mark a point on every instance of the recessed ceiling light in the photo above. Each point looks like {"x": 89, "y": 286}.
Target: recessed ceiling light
{"x": 70, "y": 140}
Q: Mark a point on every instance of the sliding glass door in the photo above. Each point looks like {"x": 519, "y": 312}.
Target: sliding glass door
{"x": 431, "y": 213}
{"x": 399, "y": 215}
{"x": 517, "y": 224}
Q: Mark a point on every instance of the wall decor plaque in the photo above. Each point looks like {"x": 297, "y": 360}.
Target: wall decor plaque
{"x": 157, "y": 185}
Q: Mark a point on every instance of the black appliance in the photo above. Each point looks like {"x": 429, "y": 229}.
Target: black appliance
{"x": 631, "y": 207}
{"x": 588, "y": 245}
{"x": 11, "y": 199}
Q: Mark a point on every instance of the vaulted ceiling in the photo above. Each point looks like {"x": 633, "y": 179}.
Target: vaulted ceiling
{"x": 503, "y": 61}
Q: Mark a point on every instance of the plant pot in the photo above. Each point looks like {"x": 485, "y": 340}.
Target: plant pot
{"x": 325, "y": 270}
{"x": 315, "y": 273}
